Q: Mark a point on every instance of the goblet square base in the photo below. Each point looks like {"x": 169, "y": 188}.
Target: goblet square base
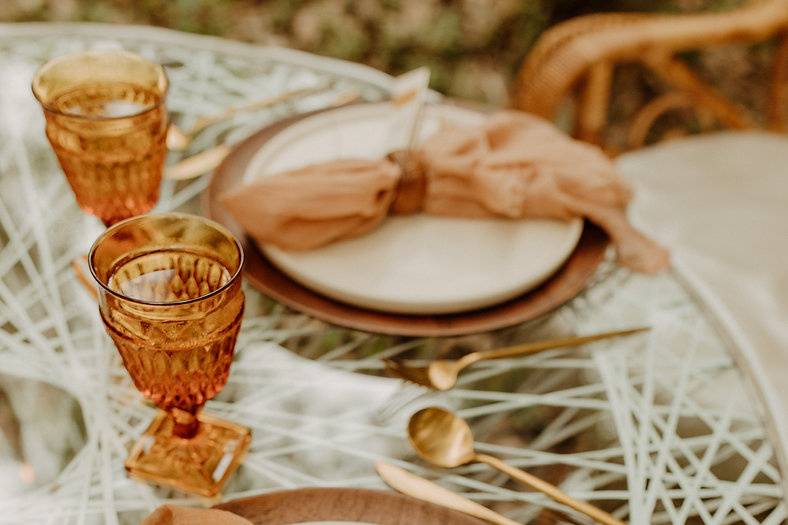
{"x": 199, "y": 465}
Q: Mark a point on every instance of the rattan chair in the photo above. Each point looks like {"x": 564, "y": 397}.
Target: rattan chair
{"x": 577, "y": 59}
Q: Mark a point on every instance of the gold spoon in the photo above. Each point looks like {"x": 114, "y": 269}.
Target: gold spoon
{"x": 445, "y": 440}
{"x": 441, "y": 374}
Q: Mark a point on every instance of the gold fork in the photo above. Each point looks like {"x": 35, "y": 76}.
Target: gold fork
{"x": 441, "y": 374}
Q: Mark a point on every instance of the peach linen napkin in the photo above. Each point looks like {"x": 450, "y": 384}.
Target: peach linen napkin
{"x": 172, "y": 515}
{"x": 514, "y": 166}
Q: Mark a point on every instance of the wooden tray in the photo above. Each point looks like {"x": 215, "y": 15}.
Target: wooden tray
{"x": 263, "y": 275}
{"x": 338, "y": 504}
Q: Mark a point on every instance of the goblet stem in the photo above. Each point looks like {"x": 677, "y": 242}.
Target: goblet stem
{"x": 186, "y": 423}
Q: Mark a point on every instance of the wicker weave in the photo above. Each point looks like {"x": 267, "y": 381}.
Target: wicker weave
{"x": 588, "y": 49}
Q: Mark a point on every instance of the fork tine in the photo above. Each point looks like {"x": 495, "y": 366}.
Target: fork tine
{"x": 401, "y": 398}
{"x": 392, "y": 368}
{"x": 418, "y": 375}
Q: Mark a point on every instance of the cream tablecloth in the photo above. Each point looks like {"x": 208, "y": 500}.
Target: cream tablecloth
{"x": 721, "y": 203}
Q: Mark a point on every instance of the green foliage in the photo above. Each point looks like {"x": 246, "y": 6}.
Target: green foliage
{"x": 473, "y": 47}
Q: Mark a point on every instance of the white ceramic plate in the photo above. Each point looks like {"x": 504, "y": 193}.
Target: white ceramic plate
{"x": 414, "y": 264}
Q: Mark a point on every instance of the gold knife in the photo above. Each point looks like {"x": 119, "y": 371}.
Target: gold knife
{"x": 419, "y": 488}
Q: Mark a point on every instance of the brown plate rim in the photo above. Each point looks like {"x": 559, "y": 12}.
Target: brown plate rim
{"x": 343, "y": 504}
{"x": 561, "y": 287}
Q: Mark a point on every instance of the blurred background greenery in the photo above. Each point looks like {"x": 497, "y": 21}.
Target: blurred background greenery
{"x": 473, "y": 47}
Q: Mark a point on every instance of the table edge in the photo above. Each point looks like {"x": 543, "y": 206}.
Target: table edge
{"x": 163, "y": 35}
{"x": 743, "y": 353}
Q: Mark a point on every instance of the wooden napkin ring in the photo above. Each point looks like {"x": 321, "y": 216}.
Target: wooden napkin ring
{"x": 412, "y": 185}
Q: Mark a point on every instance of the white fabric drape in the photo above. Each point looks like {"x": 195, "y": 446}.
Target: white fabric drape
{"x": 720, "y": 202}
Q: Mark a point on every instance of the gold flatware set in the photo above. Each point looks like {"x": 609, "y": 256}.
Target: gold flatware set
{"x": 443, "y": 439}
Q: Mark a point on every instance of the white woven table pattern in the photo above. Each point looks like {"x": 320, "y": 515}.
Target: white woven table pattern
{"x": 660, "y": 427}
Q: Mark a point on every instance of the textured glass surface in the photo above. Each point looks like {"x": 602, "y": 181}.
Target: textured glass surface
{"x": 171, "y": 300}
{"x": 107, "y": 123}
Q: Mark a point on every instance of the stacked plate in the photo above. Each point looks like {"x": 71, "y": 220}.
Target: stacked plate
{"x": 414, "y": 275}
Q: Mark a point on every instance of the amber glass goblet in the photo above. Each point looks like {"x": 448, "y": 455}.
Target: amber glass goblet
{"x": 107, "y": 122}
{"x": 170, "y": 297}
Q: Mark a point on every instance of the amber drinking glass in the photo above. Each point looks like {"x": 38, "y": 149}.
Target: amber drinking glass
{"x": 171, "y": 299}
{"x": 107, "y": 122}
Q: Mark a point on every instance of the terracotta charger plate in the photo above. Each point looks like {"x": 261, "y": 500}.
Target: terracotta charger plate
{"x": 567, "y": 282}
{"x": 345, "y": 506}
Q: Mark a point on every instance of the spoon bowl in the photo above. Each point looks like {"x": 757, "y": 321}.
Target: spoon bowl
{"x": 177, "y": 139}
{"x": 443, "y": 373}
{"x": 441, "y": 438}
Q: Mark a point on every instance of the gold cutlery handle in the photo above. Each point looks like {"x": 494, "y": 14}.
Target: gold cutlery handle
{"x": 87, "y": 283}
{"x": 420, "y": 488}
{"x": 198, "y": 164}
{"x": 203, "y": 122}
{"x": 211, "y": 158}
{"x": 539, "y": 346}
{"x": 178, "y": 139}
{"x": 550, "y": 490}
